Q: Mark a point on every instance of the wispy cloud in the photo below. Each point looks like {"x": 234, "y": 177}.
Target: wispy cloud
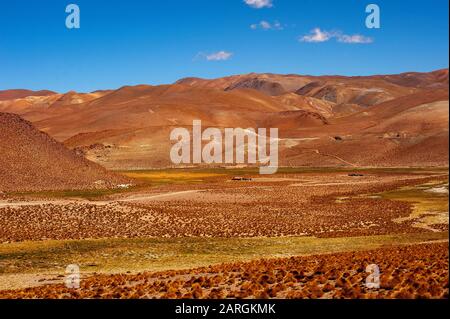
{"x": 217, "y": 56}
{"x": 317, "y": 35}
{"x": 356, "y": 38}
{"x": 264, "y": 25}
{"x": 258, "y": 4}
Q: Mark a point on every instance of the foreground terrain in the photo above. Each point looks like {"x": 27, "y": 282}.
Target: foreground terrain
{"x": 302, "y": 233}
{"x": 419, "y": 271}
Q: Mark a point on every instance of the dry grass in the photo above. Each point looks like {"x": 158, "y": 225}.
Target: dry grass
{"x": 223, "y": 208}
{"x": 413, "y": 271}
{"x": 171, "y": 176}
{"x": 217, "y": 221}
{"x": 155, "y": 254}
{"x": 429, "y": 209}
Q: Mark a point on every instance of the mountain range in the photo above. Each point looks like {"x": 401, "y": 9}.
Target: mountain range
{"x": 378, "y": 121}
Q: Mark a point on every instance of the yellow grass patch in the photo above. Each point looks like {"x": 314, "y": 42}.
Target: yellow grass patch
{"x": 171, "y": 176}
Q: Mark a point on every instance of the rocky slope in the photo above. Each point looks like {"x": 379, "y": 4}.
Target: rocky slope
{"x": 32, "y": 161}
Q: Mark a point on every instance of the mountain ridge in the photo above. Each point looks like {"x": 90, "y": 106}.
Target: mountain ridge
{"x": 364, "y": 120}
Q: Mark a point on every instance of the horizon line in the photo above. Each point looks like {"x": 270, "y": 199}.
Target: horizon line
{"x": 225, "y": 76}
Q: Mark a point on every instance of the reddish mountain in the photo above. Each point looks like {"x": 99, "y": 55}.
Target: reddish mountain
{"x": 31, "y": 161}
{"x": 20, "y": 94}
{"x": 359, "y": 90}
{"x": 323, "y": 121}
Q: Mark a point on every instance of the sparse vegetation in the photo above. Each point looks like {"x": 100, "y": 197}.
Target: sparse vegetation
{"x": 417, "y": 271}
{"x": 171, "y": 224}
{"x": 157, "y": 254}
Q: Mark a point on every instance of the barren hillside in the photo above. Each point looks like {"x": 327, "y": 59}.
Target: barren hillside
{"x": 31, "y": 160}
{"x": 18, "y": 94}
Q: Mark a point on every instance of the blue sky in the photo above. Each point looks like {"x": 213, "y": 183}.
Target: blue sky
{"x": 155, "y": 42}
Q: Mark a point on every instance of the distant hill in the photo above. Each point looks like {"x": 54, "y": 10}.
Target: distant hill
{"x": 361, "y": 90}
{"x": 19, "y": 94}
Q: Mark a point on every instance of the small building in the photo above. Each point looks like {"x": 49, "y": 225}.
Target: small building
{"x": 238, "y": 178}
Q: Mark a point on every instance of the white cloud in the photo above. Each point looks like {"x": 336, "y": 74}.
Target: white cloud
{"x": 356, "y": 38}
{"x": 264, "y": 25}
{"x": 219, "y": 56}
{"x": 317, "y": 35}
{"x": 258, "y": 4}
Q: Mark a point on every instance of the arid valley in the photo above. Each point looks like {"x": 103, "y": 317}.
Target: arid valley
{"x": 86, "y": 179}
